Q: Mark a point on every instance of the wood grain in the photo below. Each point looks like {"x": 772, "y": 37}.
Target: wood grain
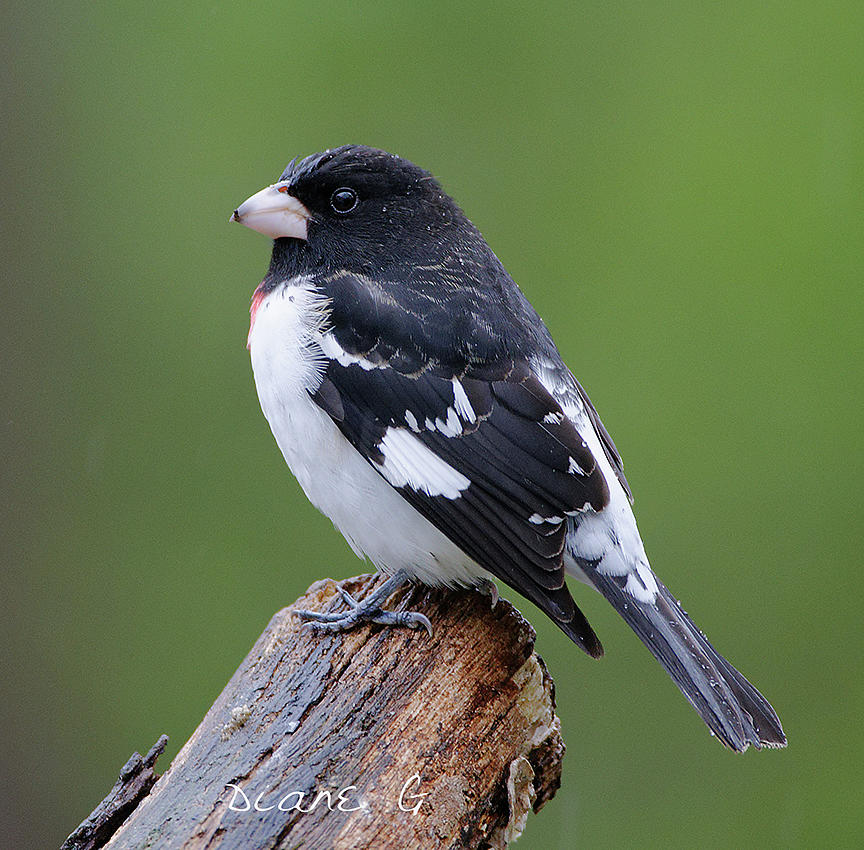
{"x": 335, "y": 736}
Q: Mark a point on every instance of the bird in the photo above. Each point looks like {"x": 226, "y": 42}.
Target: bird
{"x": 422, "y": 405}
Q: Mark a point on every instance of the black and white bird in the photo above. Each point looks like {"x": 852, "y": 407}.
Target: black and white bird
{"x": 422, "y": 405}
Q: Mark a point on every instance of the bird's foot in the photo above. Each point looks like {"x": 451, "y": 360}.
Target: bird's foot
{"x": 368, "y": 610}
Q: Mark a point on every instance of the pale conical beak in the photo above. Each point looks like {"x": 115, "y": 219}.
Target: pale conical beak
{"x": 273, "y": 212}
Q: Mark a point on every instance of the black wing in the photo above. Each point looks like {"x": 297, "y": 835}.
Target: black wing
{"x": 522, "y": 465}
{"x": 609, "y": 447}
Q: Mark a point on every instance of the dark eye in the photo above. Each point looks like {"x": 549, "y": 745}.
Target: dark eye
{"x": 343, "y": 200}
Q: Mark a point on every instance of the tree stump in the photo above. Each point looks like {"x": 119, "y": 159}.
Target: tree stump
{"x": 379, "y": 738}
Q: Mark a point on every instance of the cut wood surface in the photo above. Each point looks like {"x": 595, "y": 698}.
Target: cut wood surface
{"x": 379, "y": 737}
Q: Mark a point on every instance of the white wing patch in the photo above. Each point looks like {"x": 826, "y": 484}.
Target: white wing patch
{"x": 461, "y": 403}
{"x": 408, "y": 463}
{"x": 539, "y": 520}
{"x": 452, "y": 427}
{"x": 334, "y": 351}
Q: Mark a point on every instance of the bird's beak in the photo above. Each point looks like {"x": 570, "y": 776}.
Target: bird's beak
{"x": 274, "y": 212}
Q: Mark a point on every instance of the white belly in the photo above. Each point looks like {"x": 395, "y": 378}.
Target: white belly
{"x": 375, "y": 520}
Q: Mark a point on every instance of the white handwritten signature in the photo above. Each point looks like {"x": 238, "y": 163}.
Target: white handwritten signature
{"x": 342, "y": 800}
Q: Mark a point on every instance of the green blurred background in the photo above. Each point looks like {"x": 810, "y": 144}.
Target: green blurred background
{"x": 678, "y": 189}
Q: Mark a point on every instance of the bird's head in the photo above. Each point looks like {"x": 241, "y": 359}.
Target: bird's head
{"x": 358, "y": 209}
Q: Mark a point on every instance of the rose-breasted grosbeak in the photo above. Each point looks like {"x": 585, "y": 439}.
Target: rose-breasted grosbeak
{"x": 423, "y": 406}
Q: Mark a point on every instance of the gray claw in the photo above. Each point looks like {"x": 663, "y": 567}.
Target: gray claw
{"x": 410, "y": 619}
{"x": 490, "y": 589}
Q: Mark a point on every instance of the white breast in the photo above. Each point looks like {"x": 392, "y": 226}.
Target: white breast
{"x": 376, "y": 521}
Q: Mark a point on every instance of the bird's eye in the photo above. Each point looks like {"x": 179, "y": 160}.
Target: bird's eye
{"x": 283, "y": 189}
{"x": 343, "y": 200}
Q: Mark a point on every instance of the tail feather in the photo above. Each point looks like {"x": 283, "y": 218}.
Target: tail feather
{"x": 733, "y": 709}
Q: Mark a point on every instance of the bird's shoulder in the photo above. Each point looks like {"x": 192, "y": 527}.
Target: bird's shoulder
{"x": 455, "y": 321}
{"x": 444, "y": 314}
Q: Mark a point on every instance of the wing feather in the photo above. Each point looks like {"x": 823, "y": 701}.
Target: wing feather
{"x": 454, "y": 377}
{"x": 508, "y": 439}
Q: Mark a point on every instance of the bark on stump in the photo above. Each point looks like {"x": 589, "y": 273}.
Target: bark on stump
{"x": 465, "y": 718}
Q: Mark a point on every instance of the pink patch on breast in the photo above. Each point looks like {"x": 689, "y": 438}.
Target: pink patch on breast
{"x": 257, "y": 298}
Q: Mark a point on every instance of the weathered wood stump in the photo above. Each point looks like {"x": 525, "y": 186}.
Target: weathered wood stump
{"x": 379, "y": 738}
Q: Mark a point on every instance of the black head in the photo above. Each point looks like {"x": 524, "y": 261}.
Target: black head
{"x": 362, "y": 210}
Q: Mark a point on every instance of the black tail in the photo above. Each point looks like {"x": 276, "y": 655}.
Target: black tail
{"x": 733, "y": 709}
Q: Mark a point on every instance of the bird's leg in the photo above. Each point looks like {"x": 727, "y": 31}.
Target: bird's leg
{"x": 368, "y": 610}
{"x": 488, "y": 588}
